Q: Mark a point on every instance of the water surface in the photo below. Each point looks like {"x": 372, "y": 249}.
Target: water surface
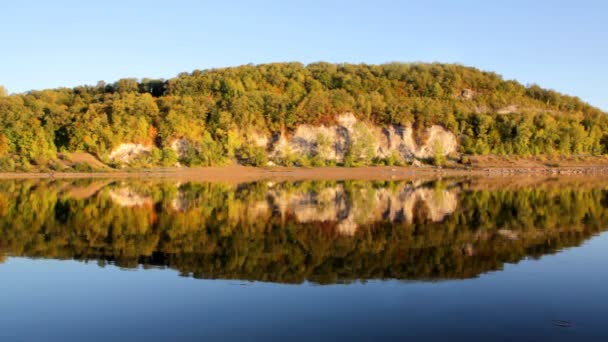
{"x": 451, "y": 258}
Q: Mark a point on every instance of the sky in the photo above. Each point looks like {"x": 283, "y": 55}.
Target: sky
{"x": 561, "y": 45}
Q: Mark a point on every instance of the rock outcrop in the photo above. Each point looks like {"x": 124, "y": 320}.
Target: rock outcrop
{"x": 127, "y": 152}
{"x": 333, "y": 142}
{"x": 363, "y": 141}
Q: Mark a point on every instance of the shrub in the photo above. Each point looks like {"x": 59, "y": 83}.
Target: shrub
{"x": 253, "y": 155}
{"x": 83, "y": 167}
{"x": 169, "y": 156}
{"x": 394, "y": 159}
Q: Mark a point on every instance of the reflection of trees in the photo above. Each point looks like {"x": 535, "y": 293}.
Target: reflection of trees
{"x": 291, "y": 232}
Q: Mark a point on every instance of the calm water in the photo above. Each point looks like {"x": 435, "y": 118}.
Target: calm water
{"x": 165, "y": 260}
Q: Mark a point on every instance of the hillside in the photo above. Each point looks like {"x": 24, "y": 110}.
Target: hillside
{"x": 292, "y": 114}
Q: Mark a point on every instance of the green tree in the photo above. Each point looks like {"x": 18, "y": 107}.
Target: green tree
{"x": 438, "y": 154}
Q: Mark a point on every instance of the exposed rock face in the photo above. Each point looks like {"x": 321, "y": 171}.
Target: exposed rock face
{"x": 258, "y": 139}
{"x": 349, "y": 135}
{"x": 508, "y": 109}
{"x": 399, "y": 139}
{"x": 333, "y": 142}
{"x": 467, "y": 94}
{"x": 127, "y": 152}
{"x": 438, "y": 137}
{"x": 180, "y": 146}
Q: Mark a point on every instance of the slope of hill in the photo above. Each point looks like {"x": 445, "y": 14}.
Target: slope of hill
{"x": 292, "y": 114}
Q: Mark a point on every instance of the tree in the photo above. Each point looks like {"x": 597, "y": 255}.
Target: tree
{"x": 438, "y": 154}
{"x": 126, "y": 85}
{"x": 4, "y": 146}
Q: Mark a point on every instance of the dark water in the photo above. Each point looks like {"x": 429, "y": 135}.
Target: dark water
{"x": 472, "y": 259}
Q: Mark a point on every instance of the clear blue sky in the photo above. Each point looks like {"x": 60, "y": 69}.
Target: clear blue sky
{"x": 561, "y": 45}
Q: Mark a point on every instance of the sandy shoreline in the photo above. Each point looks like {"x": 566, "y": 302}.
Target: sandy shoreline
{"x": 244, "y": 173}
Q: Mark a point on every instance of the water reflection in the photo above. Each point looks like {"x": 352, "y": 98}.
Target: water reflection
{"x": 325, "y": 232}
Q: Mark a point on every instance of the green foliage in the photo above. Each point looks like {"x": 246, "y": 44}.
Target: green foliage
{"x": 204, "y": 152}
{"x": 394, "y": 159}
{"x": 438, "y": 154}
{"x": 4, "y": 146}
{"x": 169, "y": 156}
{"x": 288, "y": 157}
{"x": 254, "y": 155}
{"x": 360, "y": 149}
{"x": 317, "y": 161}
{"x": 7, "y": 164}
{"x": 216, "y": 109}
{"x": 83, "y": 167}
{"x": 233, "y": 143}
{"x": 322, "y": 150}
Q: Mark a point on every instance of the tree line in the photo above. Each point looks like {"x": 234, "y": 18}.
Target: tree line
{"x": 218, "y": 109}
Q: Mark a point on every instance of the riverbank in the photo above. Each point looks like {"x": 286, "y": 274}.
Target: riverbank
{"x": 237, "y": 173}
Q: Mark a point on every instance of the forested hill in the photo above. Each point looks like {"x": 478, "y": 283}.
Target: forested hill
{"x": 340, "y": 114}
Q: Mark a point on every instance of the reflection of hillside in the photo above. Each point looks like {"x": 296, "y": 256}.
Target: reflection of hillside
{"x": 291, "y": 232}
{"x": 85, "y": 191}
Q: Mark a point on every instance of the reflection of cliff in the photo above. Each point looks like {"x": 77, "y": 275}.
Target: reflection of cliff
{"x": 126, "y": 197}
{"x": 361, "y": 206}
{"x": 324, "y": 232}
{"x": 348, "y": 208}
